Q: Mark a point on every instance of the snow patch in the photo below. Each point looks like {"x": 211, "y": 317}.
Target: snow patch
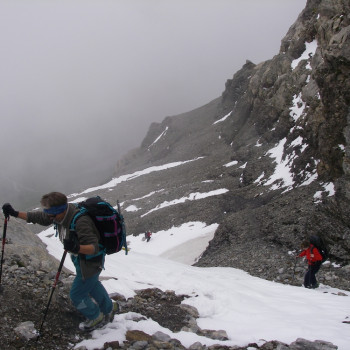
{"x": 234, "y": 162}
{"x": 306, "y": 55}
{"x": 190, "y": 197}
{"x": 115, "y": 181}
{"x": 328, "y": 188}
{"x": 282, "y": 174}
{"x": 132, "y": 208}
{"x": 148, "y": 195}
{"x": 223, "y": 118}
{"x": 159, "y": 137}
{"x": 298, "y": 107}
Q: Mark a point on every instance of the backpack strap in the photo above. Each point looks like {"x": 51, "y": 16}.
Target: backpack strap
{"x": 72, "y": 228}
{"x": 82, "y": 211}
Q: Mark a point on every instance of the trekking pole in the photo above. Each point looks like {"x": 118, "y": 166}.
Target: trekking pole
{"x": 52, "y": 291}
{"x": 3, "y": 249}
{"x": 309, "y": 269}
{"x": 295, "y": 265}
{"x": 123, "y": 227}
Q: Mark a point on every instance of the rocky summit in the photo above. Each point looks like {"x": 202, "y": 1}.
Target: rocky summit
{"x": 268, "y": 161}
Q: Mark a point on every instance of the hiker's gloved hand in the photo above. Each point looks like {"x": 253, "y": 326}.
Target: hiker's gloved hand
{"x": 8, "y": 210}
{"x": 71, "y": 245}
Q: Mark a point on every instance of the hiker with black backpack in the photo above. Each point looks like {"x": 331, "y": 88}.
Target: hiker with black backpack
{"x": 87, "y": 294}
{"x": 314, "y": 259}
{"x": 148, "y": 235}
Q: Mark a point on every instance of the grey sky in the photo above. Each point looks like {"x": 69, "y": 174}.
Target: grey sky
{"x": 76, "y": 76}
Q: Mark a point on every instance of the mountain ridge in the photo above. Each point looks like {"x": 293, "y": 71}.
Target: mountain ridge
{"x": 297, "y": 104}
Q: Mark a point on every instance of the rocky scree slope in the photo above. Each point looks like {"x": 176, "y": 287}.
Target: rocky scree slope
{"x": 27, "y": 279}
{"x": 296, "y": 103}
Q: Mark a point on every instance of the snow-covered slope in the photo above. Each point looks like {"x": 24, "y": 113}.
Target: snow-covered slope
{"x": 249, "y": 309}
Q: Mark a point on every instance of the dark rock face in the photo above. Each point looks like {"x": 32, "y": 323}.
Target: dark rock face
{"x": 297, "y": 103}
{"x": 281, "y": 219}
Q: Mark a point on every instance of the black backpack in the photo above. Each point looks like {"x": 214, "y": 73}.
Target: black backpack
{"x": 319, "y": 243}
{"x": 108, "y": 221}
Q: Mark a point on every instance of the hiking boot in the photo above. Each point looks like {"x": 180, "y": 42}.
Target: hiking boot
{"x": 115, "y": 309}
{"x": 90, "y": 325}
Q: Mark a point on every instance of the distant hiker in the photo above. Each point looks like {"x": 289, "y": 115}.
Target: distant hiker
{"x": 314, "y": 259}
{"x": 87, "y": 293}
{"x": 148, "y": 235}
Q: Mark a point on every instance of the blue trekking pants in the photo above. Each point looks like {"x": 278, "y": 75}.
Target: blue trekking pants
{"x": 89, "y": 296}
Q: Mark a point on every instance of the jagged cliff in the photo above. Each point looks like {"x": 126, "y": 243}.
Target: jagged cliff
{"x": 277, "y": 140}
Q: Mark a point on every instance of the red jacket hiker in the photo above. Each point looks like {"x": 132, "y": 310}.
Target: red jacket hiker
{"x": 148, "y": 235}
{"x": 312, "y": 254}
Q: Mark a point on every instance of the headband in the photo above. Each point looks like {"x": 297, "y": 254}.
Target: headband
{"x": 56, "y": 210}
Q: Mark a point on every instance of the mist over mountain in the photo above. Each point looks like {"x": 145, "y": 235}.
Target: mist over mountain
{"x": 82, "y": 81}
{"x": 267, "y": 160}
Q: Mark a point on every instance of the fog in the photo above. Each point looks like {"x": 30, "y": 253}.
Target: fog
{"x": 81, "y": 81}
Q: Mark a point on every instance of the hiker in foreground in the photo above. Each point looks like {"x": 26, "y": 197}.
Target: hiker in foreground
{"x": 88, "y": 259}
{"x": 314, "y": 259}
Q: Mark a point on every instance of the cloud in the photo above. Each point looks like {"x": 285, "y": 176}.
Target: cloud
{"x": 79, "y": 78}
